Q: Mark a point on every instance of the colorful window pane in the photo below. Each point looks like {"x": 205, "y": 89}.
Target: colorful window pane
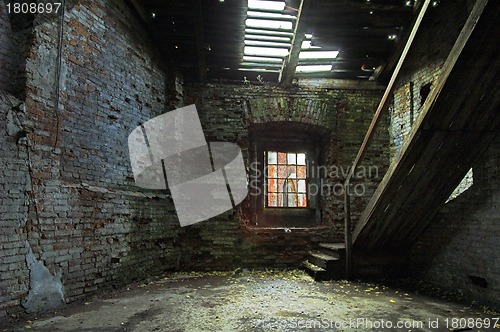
{"x": 286, "y": 179}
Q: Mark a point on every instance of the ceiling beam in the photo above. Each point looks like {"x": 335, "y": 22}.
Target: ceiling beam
{"x": 291, "y": 61}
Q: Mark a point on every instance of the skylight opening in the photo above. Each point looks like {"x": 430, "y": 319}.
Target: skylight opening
{"x": 318, "y": 55}
{"x": 266, "y": 5}
{"x": 307, "y": 44}
{"x": 269, "y": 24}
{"x": 265, "y": 51}
{"x": 268, "y": 35}
{"x": 313, "y": 68}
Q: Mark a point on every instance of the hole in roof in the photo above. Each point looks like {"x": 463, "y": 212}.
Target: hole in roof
{"x": 268, "y": 35}
{"x": 313, "y": 68}
{"x": 269, "y": 15}
{"x": 266, "y": 51}
{"x": 318, "y": 54}
{"x": 265, "y": 43}
{"x": 266, "y": 5}
{"x": 269, "y": 24}
{"x": 307, "y": 44}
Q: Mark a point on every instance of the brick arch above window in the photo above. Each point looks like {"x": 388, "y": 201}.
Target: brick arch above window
{"x": 310, "y": 111}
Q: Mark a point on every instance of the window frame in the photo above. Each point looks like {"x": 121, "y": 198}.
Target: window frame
{"x": 279, "y": 217}
{"x": 286, "y": 165}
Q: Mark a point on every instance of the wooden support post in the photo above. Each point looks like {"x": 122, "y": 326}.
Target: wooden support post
{"x": 347, "y": 233}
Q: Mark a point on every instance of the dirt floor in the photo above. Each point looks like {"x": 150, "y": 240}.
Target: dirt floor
{"x": 262, "y": 301}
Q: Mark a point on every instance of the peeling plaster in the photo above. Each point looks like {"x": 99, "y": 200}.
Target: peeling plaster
{"x": 46, "y": 290}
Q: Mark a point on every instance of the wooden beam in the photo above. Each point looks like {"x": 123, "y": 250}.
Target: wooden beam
{"x": 290, "y": 64}
{"x": 385, "y": 98}
{"x": 347, "y": 233}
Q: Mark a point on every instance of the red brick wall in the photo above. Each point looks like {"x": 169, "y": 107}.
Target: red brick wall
{"x": 76, "y": 204}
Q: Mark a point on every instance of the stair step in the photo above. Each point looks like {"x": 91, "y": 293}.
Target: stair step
{"x": 333, "y": 246}
{"x": 323, "y": 260}
{"x": 316, "y": 272}
{"x": 333, "y": 249}
{"x": 312, "y": 267}
{"x": 323, "y": 257}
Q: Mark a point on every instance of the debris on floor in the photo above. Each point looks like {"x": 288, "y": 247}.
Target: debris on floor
{"x": 243, "y": 300}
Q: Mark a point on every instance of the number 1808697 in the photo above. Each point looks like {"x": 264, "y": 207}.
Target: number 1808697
{"x": 34, "y": 8}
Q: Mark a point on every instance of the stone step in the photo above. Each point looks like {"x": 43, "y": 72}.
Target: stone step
{"x": 316, "y": 272}
{"x": 323, "y": 260}
{"x": 333, "y": 246}
{"x": 336, "y": 250}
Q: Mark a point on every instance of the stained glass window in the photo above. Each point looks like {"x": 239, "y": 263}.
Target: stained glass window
{"x": 286, "y": 179}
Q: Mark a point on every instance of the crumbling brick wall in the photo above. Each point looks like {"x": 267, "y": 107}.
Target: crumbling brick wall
{"x": 67, "y": 187}
{"x": 68, "y": 193}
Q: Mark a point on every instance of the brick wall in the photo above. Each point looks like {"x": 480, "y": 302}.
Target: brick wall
{"x": 459, "y": 248}
{"x": 5, "y": 49}
{"x": 227, "y": 111}
{"x": 67, "y": 189}
{"x": 14, "y": 191}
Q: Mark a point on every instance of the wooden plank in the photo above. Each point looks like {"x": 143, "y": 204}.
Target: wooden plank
{"x": 347, "y": 233}
{"x": 473, "y": 142}
{"x": 379, "y": 199}
{"x": 409, "y": 176}
{"x": 424, "y": 180}
{"x": 384, "y": 73}
{"x": 290, "y": 64}
{"x": 385, "y": 98}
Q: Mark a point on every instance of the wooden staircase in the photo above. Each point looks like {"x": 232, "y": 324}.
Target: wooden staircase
{"x": 328, "y": 262}
{"x": 458, "y": 121}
